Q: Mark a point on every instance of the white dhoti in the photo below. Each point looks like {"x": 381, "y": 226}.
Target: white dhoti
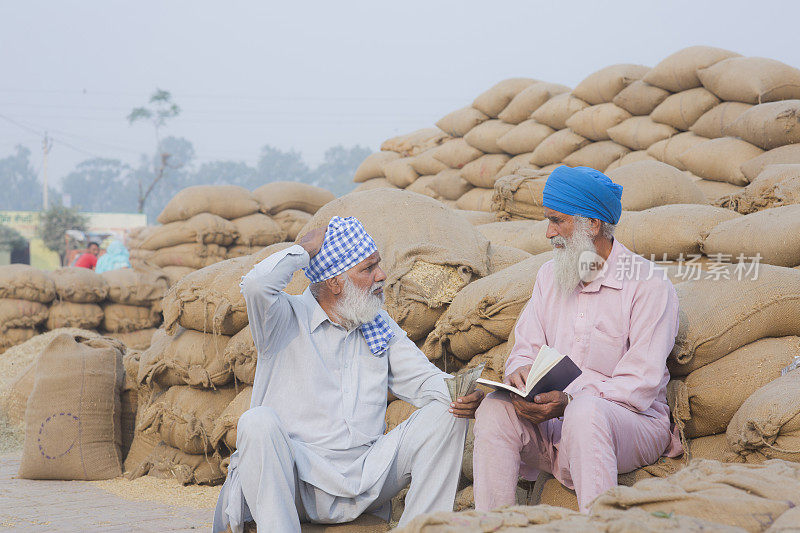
{"x": 278, "y": 481}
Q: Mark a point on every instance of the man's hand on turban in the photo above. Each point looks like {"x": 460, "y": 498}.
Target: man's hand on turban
{"x": 543, "y": 407}
{"x": 312, "y": 241}
{"x": 466, "y": 406}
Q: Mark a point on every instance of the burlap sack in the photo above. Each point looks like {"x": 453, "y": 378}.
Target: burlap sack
{"x": 15, "y": 399}
{"x": 72, "y": 422}
{"x": 754, "y": 309}
{"x": 416, "y": 142}
{"x": 291, "y": 222}
{"x": 714, "y": 190}
{"x": 204, "y": 228}
{"x": 140, "y": 257}
{"x": 136, "y": 286}
{"x": 456, "y": 153}
{"x": 751, "y": 80}
{"x": 630, "y": 157}
{"x": 478, "y": 199}
{"x": 495, "y": 361}
{"x": 449, "y": 184}
{"x": 515, "y": 163}
{"x": 397, "y": 412}
{"x": 526, "y": 235}
{"x": 400, "y": 173}
{"x": 768, "y": 125}
{"x": 594, "y": 121}
{"x": 281, "y": 195}
{"x": 706, "y": 400}
{"x": 557, "y": 110}
{"x": 225, "y": 425}
{"x": 24, "y": 282}
{"x": 483, "y": 171}
{"x": 524, "y": 137}
{"x": 719, "y": 159}
{"x": 129, "y": 401}
{"x": 184, "y": 417}
{"x": 422, "y": 185}
{"x": 458, "y": 123}
{"x": 188, "y": 255}
{"x": 678, "y": 72}
{"x": 668, "y": 150}
{"x": 79, "y": 285}
{"x": 425, "y": 164}
{"x": 598, "y": 155}
{"x": 669, "y": 232}
{"x": 374, "y": 183}
{"x": 484, "y": 312}
{"x": 772, "y": 233}
{"x": 135, "y": 340}
{"x": 520, "y": 195}
{"x": 549, "y": 491}
{"x": 167, "y": 462}
{"x": 176, "y": 273}
{"x": 372, "y": 166}
{"x": 746, "y": 496}
{"x": 120, "y": 318}
{"x": 241, "y": 251}
{"x": 135, "y": 236}
{"x": 21, "y": 314}
{"x": 640, "y": 98}
{"x": 557, "y": 146}
{"x": 71, "y": 315}
{"x": 789, "y": 154}
{"x": 640, "y": 133}
{"x": 651, "y": 183}
{"x": 227, "y": 201}
{"x": 502, "y": 257}
{"x": 258, "y": 230}
{"x": 495, "y": 99}
{"x": 777, "y": 185}
{"x": 715, "y": 121}
{"x": 681, "y": 110}
{"x": 13, "y": 336}
{"x": 603, "y": 85}
{"x": 185, "y": 358}
{"x": 714, "y": 447}
{"x": 484, "y": 136}
{"x": 476, "y": 218}
{"x": 529, "y": 100}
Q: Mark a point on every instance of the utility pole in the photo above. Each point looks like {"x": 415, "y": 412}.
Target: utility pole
{"x": 47, "y": 144}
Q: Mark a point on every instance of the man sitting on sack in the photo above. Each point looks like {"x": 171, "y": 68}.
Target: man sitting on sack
{"x": 311, "y": 447}
{"x": 616, "y": 317}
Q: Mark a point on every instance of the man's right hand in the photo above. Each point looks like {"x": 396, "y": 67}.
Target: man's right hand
{"x": 312, "y": 241}
{"x": 519, "y": 376}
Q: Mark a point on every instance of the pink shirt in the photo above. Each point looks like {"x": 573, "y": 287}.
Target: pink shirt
{"x": 619, "y": 329}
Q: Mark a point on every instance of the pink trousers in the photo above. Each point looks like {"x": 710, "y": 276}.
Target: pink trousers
{"x": 586, "y": 449}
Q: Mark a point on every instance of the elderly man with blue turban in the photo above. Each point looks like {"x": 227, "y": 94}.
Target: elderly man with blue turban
{"x": 616, "y": 317}
{"x": 311, "y": 447}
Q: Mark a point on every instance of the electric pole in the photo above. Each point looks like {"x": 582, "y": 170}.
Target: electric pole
{"x": 47, "y": 143}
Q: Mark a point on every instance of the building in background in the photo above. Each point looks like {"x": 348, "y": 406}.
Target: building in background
{"x": 110, "y": 225}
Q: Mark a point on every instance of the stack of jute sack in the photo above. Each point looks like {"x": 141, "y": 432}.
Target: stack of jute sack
{"x": 717, "y": 116}
{"x": 205, "y": 224}
{"x": 132, "y": 309}
{"x": 25, "y": 294}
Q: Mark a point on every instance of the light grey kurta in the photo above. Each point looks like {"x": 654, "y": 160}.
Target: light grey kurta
{"x": 323, "y": 393}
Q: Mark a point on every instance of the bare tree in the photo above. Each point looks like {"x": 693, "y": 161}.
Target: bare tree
{"x": 160, "y": 109}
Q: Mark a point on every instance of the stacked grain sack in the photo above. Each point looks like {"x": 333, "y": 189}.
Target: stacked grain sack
{"x": 79, "y": 292}
{"x": 25, "y": 293}
{"x": 132, "y": 310}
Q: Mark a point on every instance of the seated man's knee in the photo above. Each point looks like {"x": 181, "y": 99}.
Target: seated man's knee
{"x": 257, "y": 421}
{"x": 585, "y": 413}
{"x": 495, "y": 409}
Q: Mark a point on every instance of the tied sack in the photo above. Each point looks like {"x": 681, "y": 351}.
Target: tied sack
{"x": 15, "y": 314}
{"x": 258, "y": 230}
{"x": 519, "y": 196}
{"x": 188, "y": 255}
{"x": 144, "y": 286}
{"x": 281, "y": 195}
{"x": 483, "y": 314}
{"x": 434, "y": 256}
{"x": 165, "y": 462}
{"x": 79, "y": 285}
{"x": 72, "y": 422}
{"x": 120, "y": 318}
{"x": 226, "y": 201}
{"x": 204, "y": 228}
{"x": 24, "y": 282}
{"x": 225, "y": 425}
{"x": 649, "y": 184}
{"x": 186, "y": 358}
{"x": 72, "y": 315}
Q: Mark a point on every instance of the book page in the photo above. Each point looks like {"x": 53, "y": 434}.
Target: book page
{"x": 546, "y": 359}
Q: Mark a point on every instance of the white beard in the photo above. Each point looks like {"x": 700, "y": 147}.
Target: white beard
{"x": 567, "y": 267}
{"x": 355, "y": 306}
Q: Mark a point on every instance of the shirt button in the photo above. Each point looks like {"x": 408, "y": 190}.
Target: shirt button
{"x": 580, "y": 315}
{"x": 577, "y": 340}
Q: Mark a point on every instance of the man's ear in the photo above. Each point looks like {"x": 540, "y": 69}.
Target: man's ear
{"x": 335, "y": 285}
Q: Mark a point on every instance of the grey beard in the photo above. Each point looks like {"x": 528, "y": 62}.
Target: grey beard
{"x": 355, "y": 306}
{"x": 566, "y": 260}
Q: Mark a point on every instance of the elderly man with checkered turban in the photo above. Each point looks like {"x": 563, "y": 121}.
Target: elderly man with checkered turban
{"x": 312, "y": 447}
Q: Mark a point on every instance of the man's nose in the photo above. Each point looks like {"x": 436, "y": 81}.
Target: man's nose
{"x": 380, "y": 275}
{"x": 551, "y": 231}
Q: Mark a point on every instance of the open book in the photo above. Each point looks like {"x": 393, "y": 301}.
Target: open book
{"x": 550, "y": 371}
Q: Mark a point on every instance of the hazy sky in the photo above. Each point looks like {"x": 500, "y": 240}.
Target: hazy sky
{"x": 310, "y": 75}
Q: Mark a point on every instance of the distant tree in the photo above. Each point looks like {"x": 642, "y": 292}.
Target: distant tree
{"x": 226, "y": 173}
{"x": 54, "y": 223}
{"x": 101, "y": 185}
{"x": 277, "y": 165}
{"x": 335, "y": 173}
{"x": 11, "y": 237}
{"x": 161, "y": 109}
{"x": 20, "y": 184}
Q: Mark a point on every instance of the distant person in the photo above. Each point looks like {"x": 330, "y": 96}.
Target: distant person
{"x": 88, "y": 259}
{"x": 116, "y": 257}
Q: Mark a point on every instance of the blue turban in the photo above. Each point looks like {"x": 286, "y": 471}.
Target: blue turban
{"x": 583, "y": 191}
